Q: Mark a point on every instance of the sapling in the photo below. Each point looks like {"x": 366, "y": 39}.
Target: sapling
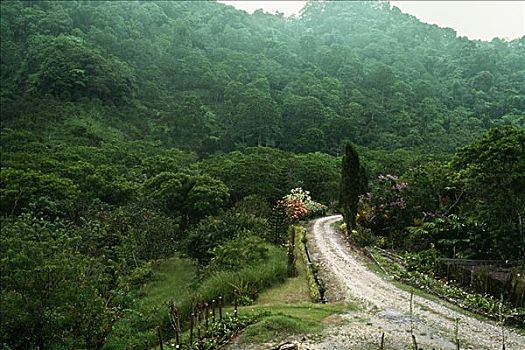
{"x": 456, "y": 334}
{"x": 414, "y": 342}
{"x": 411, "y": 311}
{"x": 502, "y": 323}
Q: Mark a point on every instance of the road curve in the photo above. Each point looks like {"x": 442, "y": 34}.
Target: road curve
{"x": 385, "y": 308}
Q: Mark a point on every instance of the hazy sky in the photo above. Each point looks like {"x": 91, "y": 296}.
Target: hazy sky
{"x": 474, "y": 19}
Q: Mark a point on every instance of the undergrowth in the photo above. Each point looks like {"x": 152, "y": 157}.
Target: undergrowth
{"x": 218, "y": 333}
{"x": 485, "y": 305}
{"x": 289, "y": 309}
{"x": 176, "y": 279}
{"x": 246, "y": 282}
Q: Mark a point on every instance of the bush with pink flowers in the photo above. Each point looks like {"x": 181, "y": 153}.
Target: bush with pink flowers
{"x": 298, "y": 205}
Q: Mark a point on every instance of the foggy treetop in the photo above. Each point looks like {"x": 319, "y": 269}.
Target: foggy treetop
{"x": 205, "y": 77}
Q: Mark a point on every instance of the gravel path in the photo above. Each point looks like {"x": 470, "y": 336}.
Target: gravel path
{"x": 385, "y": 308}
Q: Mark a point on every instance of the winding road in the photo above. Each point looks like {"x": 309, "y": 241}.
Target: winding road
{"x": 385, "y": 308}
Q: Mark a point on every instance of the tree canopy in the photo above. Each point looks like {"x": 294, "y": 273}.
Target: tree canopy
{"x": 208, "y": 78}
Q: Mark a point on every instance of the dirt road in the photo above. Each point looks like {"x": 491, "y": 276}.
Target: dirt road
{"x": 386, "y": 308}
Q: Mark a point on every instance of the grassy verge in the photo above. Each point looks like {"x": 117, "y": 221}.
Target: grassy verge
{"x": 292, "y": 290}
{"x": 283, "y": 305}
{"x": 173, "y": 280}
{"x": 287, "y": 310}
{"x": 279, "y": 321}
{"x": 313, "y": 287}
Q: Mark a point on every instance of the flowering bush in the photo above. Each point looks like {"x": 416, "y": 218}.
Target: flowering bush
{"x": 295, "y": 210}
{"x": 385, "y": 210}
{"x": 298, "y": 204}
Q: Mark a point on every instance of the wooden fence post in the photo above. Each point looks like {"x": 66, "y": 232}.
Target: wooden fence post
{"x": 191, "y": 328}
{"x": 174, "y": 315}
{"x": 220, "y": 308}
{"x": 177, "y": 328}
{"x": 206, "y": 316}
{"x": 456, "y": 334}
{"x": 199, "y": 313}
{"x": 414, "y": 342}
{"x": 159, "y": 335}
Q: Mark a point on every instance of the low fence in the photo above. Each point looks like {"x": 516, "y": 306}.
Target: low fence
{"x": 207, "y": 326}
{"x": 494, "y": 277}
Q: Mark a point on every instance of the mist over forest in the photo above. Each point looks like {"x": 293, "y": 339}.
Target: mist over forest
{"x": 205, "y": 77}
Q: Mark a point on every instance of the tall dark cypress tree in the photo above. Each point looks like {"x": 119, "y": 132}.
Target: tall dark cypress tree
{"x": 351, "y": 186}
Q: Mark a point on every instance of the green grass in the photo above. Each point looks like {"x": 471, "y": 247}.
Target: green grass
{"x": 282, "y": 308}
{"x": 286, "y": 310}
{"x": 292, "y": 290}
{"x": 172, "y": 280}
{"x": 278, "y": 321}
{"x": 249, "y": 281}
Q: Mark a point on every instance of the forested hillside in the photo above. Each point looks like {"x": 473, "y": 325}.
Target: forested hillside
{"x": 160, "y": 150}
{"x": 206, "y": 77}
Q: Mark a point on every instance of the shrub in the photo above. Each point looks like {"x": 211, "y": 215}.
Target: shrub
{"x": 52, "y": 295}
{"x": 422, "y": 261}
{"x": 214, "y": 230}
{"x": 148, "y": 233}
{"x": 299, "y": 204}
{"x": 453, "y": 236}
{"x": 384, "y": 211}
{"x": 238, "y": 253}
{"x": 48, "y": 194}
{"x": 253, "y": 205}
{"x": 363, "y": 237}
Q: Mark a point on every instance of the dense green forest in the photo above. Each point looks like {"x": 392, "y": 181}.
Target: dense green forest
{"x": 136, "y": 131}
{"x": 206, "y": 77}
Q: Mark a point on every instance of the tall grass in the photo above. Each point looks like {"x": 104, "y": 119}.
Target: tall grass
{"x": 173, "y": 279}
{"x": 248, "y": 281}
